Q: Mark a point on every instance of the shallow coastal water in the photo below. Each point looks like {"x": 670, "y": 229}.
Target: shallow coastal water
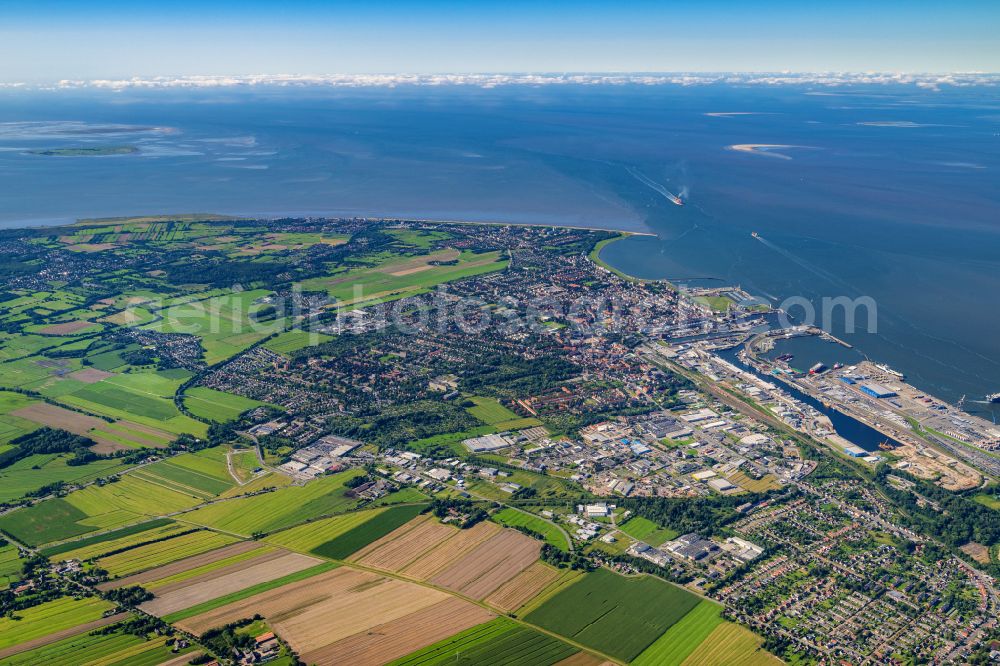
{"x": 883, "y": 192}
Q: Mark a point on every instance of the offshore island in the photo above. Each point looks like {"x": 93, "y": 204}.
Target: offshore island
{"x": 406, "y": 441}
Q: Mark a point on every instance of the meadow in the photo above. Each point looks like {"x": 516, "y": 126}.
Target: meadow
{"x": 499, "y": 642}
{"x": 217, "y": 406}
{"x": 513, "y": 518}
{"x": 10, "y": 566}
{"x": 104, "y": 537}
{"x": 620, "y": 616}
{"x": 306, "y": 537}
{"x": 647, "y": 531}
{"x": 294, "y": 340}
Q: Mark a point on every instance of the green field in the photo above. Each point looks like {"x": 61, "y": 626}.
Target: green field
{"x": 514, "y": 518}
{"x": 163, "y": 552}
{"x": 31, "y": 473}
{"x": 680, "y": 640}
{"x": 12, "y": 427}
{"x": 250, "y": 591}
{"x": 490, "y": 411}
{"x": 647, "y": 531}
{"x": 371, "y": 530}
{"x": 94, "y": 508}
{"x": 620, "y": 616}
{"x": 98, "y": 650}
{"x": 216, "y": 405}
{"x": 307, "y": 536}
{"x": 48, "y": 618}
{"x": 393, "y": 276}
{"x": 203, "y": 474}
{"x": 279, "y": 509}
{"x": 113, "y": 535}
{"x": 86, "y": 551}
{"x": 992, "y": 501}
{"x": 146, "y": 398}
{"x": 731, "y": 645}
{"x": 499, "y": 642}
{"x": 291, "y": 341}
{"x": 10, "y": 566}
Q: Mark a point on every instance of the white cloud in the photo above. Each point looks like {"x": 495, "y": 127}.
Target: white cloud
{"x": 827, "y": 79}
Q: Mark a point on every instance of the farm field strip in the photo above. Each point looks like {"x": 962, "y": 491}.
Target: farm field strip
{"x": 617, "y": 615}
{"x": 365, "y": 533}
{"x": 239, "y": 576}
{"x": 307, "y": 536}
{"x": 523, "y": 587}
{"x": 164, "y": 552}
{"x": 490, "y": 565}
{"x": 731, "y": 645}
{"x": 100, "y": 650}
{"x": 450, "y": 551}
{"x": 513, "y": 518}
{"x": 499, "y": 642}
{"x": 49, "y": 617}
{"x": 403, "y": 545}
{"x": 680, "y": 640}
{"x": 389, "y": 640}
{"x": 98, "y": 548}
{"x": 181, "y": 566}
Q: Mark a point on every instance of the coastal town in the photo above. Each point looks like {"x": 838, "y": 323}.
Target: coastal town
{"x": 501, "y": 374}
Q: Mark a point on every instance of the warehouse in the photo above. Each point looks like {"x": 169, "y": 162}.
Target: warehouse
{"x": 877, "y": 391}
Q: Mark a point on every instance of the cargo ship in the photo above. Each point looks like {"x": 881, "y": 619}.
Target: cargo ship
{"x": 993, "y": 398}
{"x": 816, "y": 369}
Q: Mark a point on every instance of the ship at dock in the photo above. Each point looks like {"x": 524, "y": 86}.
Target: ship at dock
{"x": 993, "y": 398}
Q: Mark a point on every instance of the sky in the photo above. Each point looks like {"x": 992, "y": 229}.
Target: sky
{"x": 49, "y": 40}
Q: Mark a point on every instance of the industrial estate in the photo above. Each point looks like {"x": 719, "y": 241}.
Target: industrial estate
{"x": 369, "y": 441}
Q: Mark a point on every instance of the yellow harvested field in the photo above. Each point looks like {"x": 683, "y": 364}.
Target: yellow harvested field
{"x": 584, "y": 659}
{"x": 188, "y": 563}
{"x": 731, "y": 645}
{"x": 398, "y": 638}
{"x": 269, "y": 566}
{"x": 490, "y": 564}
{"x": 405, "y": 544}
{"x": 451, "y": 550}
{"x": 521, "y": 588}
{"x": 316, "y": 613}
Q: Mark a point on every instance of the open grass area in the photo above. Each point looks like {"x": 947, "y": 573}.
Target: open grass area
{"x": 88, "y": 649}
{"x": 291, "y": 341}
{"x": 498, "y": 642}
{"x": 647, "y": 531}
{"x": 680, "y": 640}
{"x": 370, "y": 530}
{"x": 490, "y": 411}
{"x": 393, "y": 276}
{"x": 52, "y": 520}
{"x": 514, "y": 518}
{"x": 279, "y": 509}
{"x": 163, "y": 552}
{"x": 991, "y": 501}
{"x": 216, "y": 405}
{"x": 617, "y": 615}
{"x": 48, "y": 618}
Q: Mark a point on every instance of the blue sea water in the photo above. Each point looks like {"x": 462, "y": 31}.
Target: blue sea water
{"x": 891, "y": 193}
